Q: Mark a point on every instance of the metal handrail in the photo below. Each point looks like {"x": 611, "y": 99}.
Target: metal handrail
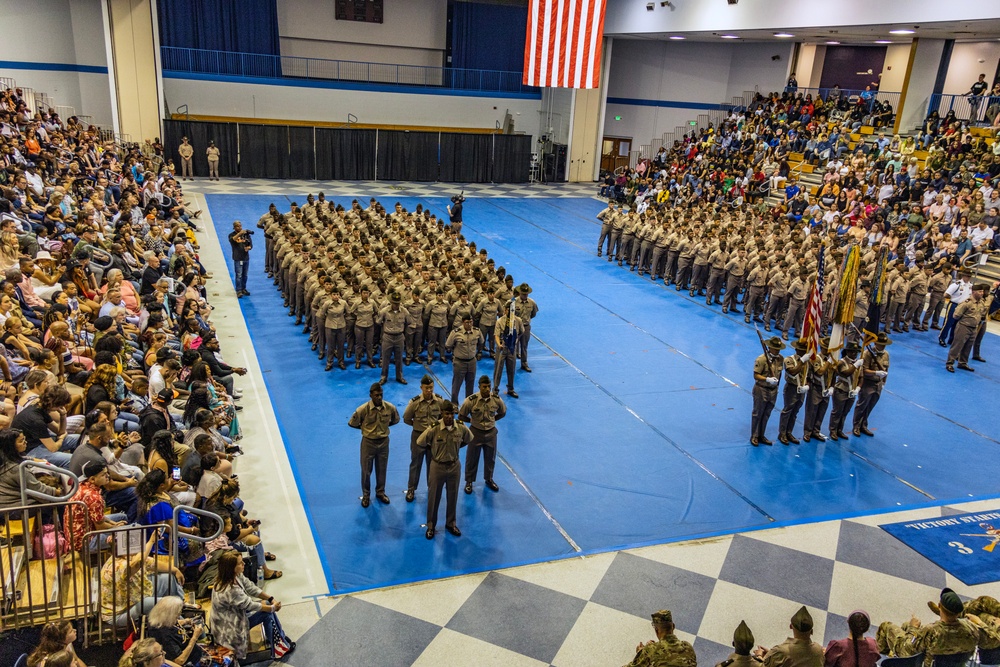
{"x": 174, "y": 537}
{"x": 966, "y": 107}
{"x": 18, "y": 612}
{"x": 268, "y": 66}
{"x": 22, "y": 472}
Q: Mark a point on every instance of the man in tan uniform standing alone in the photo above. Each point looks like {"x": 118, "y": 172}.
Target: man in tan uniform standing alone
{"x": 186, "y": 151}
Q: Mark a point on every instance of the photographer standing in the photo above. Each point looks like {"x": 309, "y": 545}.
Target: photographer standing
{"x": 455, "y": 213}
{"x": 239, "y": 240}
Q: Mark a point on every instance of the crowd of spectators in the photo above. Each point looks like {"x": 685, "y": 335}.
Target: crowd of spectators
{"x": 959, "y": 630}
{"x": 698, "y": 214}
{"x": 112, "y": 370}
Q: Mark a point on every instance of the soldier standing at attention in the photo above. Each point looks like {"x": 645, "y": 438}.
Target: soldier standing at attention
{"x": 846, "y": 386}
{"x": 463, "y": 343}
{"x": 874, "y": 366}
{"x": 798, "y": 650}
{"x": 364, "y": 312}
{"x": 394, "y": 321}
{"x": 421, "y": 413}
{"x": 618, "y": 222}
{"x": 766, "y": 375}
{"x": 717, "y": 262}
{"x": 482, "y": 410}
{"x": 753, "y": 302}
{"x": 668, "y": 650}
{"x": 186, "y": 151}
{"x": 213, "y": 153}
{"x": 607, "y": 223}
{"x": 335, "y": 322}
{"x": 444, "y": 439}
{"x": 821, "y": 372}
{"x": 798, "y": 292}
{"x": 736, "y": 269}
{"x": 526, "y": 309}
{"x": 506, "y": 355}
{"x": 777, "y": 285}
{"x": 937, "y": 284}
{"x": 796, "y": 388}
{"x": 374, "y": 419}
{"x": 743, "y": 642}
{"x": 487, "y": 311}
{"x": 967, "y": 317}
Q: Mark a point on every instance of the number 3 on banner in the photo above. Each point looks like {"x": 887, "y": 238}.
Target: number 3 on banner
{"x": 962, "y": 549}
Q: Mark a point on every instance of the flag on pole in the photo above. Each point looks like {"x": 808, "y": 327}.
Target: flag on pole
{"x": 813, "y": 324}
{"x": 562, "y": 48}
{"x": 878, "y": 297}
{"x": 847, "y": 293}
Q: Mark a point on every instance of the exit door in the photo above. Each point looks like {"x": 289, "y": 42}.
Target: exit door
{"x": 614, "y": 152}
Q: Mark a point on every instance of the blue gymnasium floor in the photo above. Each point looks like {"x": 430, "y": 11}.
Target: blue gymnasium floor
{"x": 632, "y": 429}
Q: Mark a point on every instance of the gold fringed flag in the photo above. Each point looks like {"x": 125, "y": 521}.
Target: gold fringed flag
{"x": 844, "y": 311}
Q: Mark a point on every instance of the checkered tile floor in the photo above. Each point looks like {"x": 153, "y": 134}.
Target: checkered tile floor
{"x": 338, "y": 189}
{"x": 593, "y": 611}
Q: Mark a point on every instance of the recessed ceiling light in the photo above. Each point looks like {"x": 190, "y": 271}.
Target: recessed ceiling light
{"x": 883, "y": 41}
{"x": 783, "y": 34}
{"x": 677, "y": 37}
{"x": 730, "y": 36}
{"x": 901, "y": 31}
{"x": 833, "y": 43}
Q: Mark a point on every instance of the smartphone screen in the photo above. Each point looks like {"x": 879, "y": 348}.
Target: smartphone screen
{"x": 177, "y": 473}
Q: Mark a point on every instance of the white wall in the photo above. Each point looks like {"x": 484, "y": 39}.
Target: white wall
{"x": 67, "y": 32}
{"x": 894, "y": 69}
{"x": 923, "y": 74}
{"x": 210, "y": 98}
{"x": 965, "y": 66}
{"x": 413, "y": 33}
{"x": 679, "y": 72}
{"x": 630, "y": 16}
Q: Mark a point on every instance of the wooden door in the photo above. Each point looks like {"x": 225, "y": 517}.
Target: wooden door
{"x": 614, "y": 152}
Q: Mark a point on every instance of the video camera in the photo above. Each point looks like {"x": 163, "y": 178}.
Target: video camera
{"x": 459, "y": 198}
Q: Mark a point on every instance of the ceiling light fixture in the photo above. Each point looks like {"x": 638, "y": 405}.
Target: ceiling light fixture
{"x": 677, "y": 37}
{"x": 783, "y": 34}
{"x": 833, "y": 43}
{"x": 730, "y": 36}
{"x": 883, "y": 41}
{"x": 901, "y": 31}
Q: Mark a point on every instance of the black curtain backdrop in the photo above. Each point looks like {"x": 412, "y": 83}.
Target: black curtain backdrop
{"x": 511, "y": 158}
{"x": 345, "y": 155}
{"x": 264, "y": 151}
{"x": 407, "y": 156}
{"x": 302, "y": 153}
{"x": 466, "y": 158}
{"x": 342, "y": 154}
{"x": 199, "y": 134}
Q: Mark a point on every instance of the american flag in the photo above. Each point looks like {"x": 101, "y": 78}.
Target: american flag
{"x": 563, "y": 44}
{"x": 813, "y": 323}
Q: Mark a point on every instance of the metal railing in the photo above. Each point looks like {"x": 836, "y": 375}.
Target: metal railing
{"x": 47, "y": 583}
{"x": 981, "y": 110}
{"x": 175, "y": 533}
{"x": 853, "y": 96}
{"x": 256, "y": 65}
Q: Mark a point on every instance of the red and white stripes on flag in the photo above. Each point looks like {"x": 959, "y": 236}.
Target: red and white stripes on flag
{"x": 812, "y": 325}
{"x": 563, "y": 45}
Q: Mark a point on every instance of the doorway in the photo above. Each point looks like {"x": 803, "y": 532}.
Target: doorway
{"x": 614, "y": 152}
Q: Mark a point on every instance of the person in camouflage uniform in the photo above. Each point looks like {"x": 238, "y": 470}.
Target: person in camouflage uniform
{"x": 984, "y": 612}
{"x": 949, "y": 635}
{"x": 743, "y": 642}
{"x": 668, "y": 650}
